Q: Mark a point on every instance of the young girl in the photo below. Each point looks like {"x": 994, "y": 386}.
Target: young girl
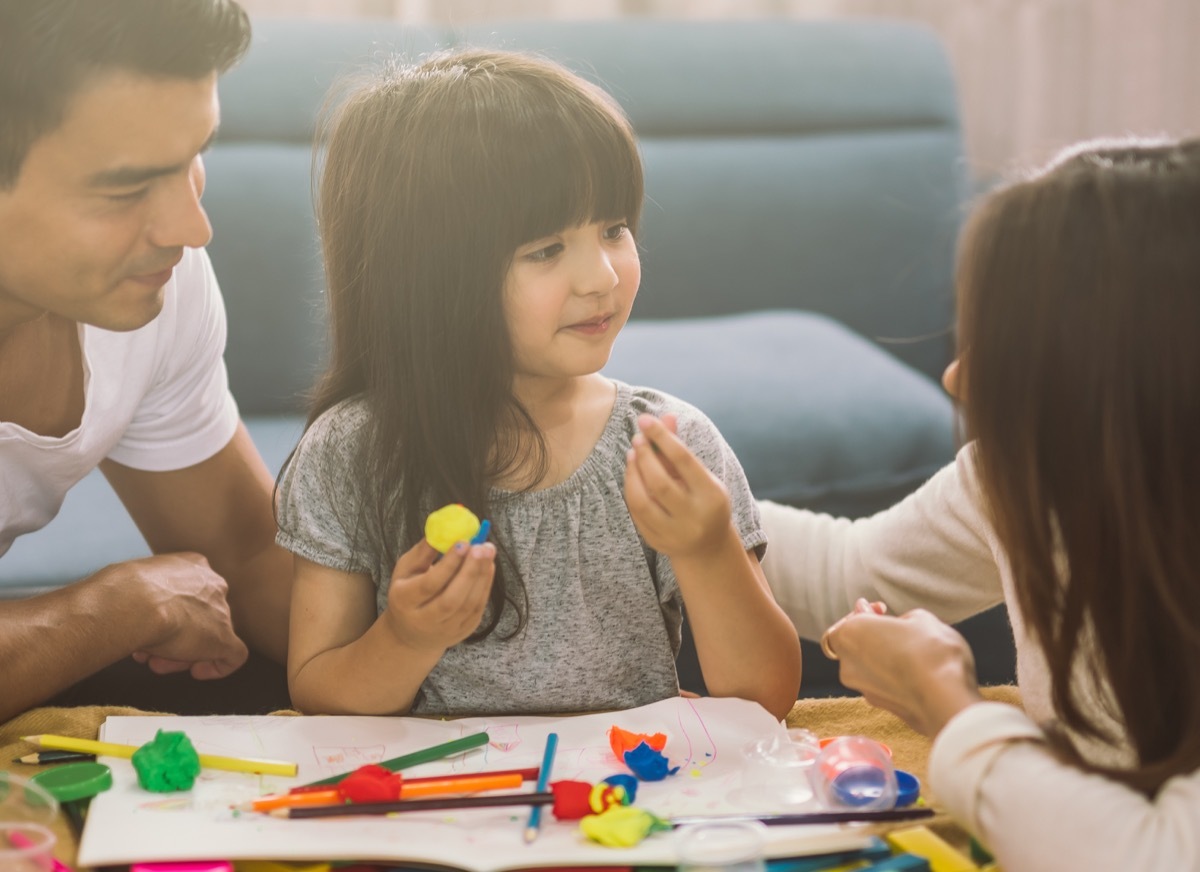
{"x": 478, "y": 213}
{"x": 1077, "y": 502}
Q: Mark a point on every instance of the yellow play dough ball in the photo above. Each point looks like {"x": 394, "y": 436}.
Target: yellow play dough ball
{"x": 450, "y": 524}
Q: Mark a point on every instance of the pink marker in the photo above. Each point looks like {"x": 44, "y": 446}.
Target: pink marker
{"x": 189, "y": 866}
{"x": 19, "y": 840}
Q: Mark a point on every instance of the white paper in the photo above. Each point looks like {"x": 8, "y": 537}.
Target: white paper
{"x": 705, "y": 738}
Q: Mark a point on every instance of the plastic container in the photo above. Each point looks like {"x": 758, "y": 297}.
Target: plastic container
{"x": 26, "y": 812}
{"x": 854, "y": 772}
{"x": 778, "y": 772}
{"x": 722, "y": 846}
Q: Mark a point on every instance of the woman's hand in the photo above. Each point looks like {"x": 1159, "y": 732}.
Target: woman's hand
{"x": 678, "y": 505}
{"x": 432, "y": 606}
{"x": 914, "y": 666}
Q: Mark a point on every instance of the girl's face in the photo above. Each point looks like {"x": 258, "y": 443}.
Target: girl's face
{"x": 567, "y": 296}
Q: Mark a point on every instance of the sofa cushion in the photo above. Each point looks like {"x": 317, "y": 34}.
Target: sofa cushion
{"x": 818, "y": 416}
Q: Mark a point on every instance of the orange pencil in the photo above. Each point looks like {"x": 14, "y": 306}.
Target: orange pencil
{"x": 330, "y": 796}
{"x": 408, "y": 790}
{"x": 458, "y": 784}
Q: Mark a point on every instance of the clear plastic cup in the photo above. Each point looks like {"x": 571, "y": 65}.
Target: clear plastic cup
{"x": 777, "y": 775}
{"x": 722, "y": 846}
{"x": 855, "y": 772}
{"x": 26, "y": 813}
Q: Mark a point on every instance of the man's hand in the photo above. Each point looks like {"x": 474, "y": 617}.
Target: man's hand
{"x": 677, "y": 504}
{"x": 191, "y": 627}
{"x": 432, "y": 606}
{"x": 914, "y": 666}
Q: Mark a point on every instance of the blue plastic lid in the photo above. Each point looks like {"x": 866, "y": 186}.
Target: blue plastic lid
{"x": 908, "y": 788}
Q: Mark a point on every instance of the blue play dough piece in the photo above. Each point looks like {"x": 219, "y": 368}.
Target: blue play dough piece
{"x": 485, "y": 527}
{"x": 859, "y": 785}
{"x": 648, "y": 764}
{"x": 626, "y": 781}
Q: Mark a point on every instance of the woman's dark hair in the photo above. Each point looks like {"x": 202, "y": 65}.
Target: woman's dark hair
{"x": 1080, "y": 336}
{"x": 434, "y": 175}
{"x": 49, "y": 49}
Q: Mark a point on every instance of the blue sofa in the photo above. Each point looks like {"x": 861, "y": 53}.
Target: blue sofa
{"x": 804, "y": 190}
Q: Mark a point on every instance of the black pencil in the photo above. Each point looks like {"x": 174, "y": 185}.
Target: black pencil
{"x": 54, "y": 757}
{"x": 435, "y": 804}
{"x": 814, "y": 817}
{"x": 74, "y": 812}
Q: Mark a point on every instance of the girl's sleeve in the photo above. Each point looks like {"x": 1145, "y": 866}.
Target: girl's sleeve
{"x": 705, "y": 441}
{"x": 991, "y": 768}
{"x": 934, "y": 550}
{"x": 320, "y": 503}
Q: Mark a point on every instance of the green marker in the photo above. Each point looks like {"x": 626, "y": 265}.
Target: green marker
{"x": 73, "y": 785}
{"x": 427, "y": 755}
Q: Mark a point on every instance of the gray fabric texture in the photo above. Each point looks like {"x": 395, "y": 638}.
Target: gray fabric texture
{"x": 604, "y": 610}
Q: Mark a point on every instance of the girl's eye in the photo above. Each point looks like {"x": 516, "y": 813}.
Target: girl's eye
{"x": 615, "y": 231}
{"x": 543, "y": 254}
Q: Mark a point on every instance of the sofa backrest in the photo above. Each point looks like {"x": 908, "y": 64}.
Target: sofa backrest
{"x": 789, "y": 165}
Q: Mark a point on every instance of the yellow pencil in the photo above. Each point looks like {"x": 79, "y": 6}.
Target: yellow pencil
{"x": 212, "y": 761}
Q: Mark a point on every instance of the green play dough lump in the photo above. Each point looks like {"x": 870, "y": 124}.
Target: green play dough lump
{"x": 168, "y": 762}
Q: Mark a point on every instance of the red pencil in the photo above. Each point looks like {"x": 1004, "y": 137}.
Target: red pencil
{"x": 449, "y": 802}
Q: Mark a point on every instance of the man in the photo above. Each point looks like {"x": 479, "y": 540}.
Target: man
{"x": 111, "y": 336}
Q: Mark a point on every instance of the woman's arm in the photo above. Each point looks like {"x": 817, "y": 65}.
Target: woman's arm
{"x": 991, "y": 766}
{"x": 343, "y": 659}
{"x": 745, "y": 643}
{"x": 934, "y": 550}
{"x": 992, "y": 769}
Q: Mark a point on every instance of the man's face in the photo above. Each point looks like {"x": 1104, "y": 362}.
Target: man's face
{"x": 105, "y": 204}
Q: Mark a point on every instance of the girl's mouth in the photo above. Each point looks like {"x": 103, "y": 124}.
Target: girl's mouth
{"x": 593, "y": 326}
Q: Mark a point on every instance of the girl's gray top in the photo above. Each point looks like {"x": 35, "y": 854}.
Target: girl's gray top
{"x": 604, "y": 608}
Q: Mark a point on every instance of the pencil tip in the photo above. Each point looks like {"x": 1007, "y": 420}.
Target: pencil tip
{"x": 28, "y": 758}
{"x": 531, "y": 833}
{"x": 279, "y": 812}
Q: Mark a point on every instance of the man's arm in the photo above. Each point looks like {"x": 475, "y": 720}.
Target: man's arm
{"x": 220, "y": 508}
{"x": 173, "y": 606}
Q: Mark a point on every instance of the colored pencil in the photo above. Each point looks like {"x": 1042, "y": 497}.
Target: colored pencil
{"x": 43, "y": 757}
{"x": 211, "y": 761}
{"x": 426, "y": 755}
{"x": 439, "y": 804}
{"x": 409, "y": 789}
{"x": 813, "y": 817}
{"x": 535, "y": 813}
{"x": 528, "y": 774}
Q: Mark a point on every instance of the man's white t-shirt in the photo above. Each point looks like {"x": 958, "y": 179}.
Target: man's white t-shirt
{"x": 156, "y": 398}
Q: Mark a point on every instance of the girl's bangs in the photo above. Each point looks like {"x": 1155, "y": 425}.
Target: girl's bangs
{"x": 567, "y": 173}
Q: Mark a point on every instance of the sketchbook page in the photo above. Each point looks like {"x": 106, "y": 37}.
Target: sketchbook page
{"x": 705, "y": 738}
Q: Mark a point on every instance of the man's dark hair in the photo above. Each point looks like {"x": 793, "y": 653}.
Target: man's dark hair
{"x": 50, "y": 48}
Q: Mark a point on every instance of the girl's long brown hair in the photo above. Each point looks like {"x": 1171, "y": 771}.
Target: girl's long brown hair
{"x": 1080, "y": 334}
{"x": 434, "y": 175}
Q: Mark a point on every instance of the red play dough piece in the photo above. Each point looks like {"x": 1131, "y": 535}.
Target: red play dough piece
{"x": 571, "y": 800}
{"x": 370, "y": 783}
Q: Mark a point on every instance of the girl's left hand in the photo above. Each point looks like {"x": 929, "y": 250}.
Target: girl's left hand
{"x": 914, "y": 666}
{"x": 677, "y": 504}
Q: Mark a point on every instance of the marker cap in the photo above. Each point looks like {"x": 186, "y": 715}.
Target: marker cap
{"x": 75, "y": 781}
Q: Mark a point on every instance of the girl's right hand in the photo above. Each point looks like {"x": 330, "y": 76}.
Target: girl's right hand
{"x": 434, "y": 605}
